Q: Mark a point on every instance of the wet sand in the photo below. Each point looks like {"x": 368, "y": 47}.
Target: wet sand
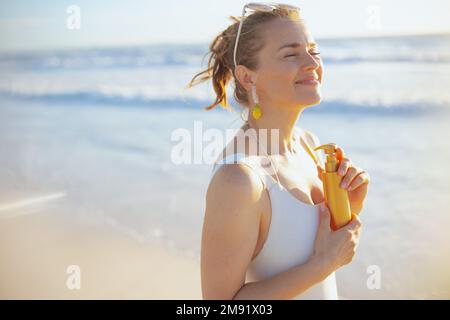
{"x": 37, "y": 248}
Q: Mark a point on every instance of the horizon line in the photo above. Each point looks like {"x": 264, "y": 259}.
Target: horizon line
{"x": 195, "y": 43}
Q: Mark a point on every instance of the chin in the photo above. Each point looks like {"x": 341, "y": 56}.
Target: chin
{"x": 311, "y": 100}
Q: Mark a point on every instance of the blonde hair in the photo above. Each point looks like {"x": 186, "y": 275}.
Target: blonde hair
{"x": 220, "y": 64}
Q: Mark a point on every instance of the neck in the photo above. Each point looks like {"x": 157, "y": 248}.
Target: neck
{"x": 277, "y": 119}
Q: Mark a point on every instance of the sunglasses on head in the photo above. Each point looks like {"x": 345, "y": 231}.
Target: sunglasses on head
{"x": 261, "y": 7}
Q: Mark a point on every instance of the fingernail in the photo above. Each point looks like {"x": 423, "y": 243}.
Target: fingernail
{"x": 343, "y": 185}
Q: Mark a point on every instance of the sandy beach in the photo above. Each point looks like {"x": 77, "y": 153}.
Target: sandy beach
{"x": 36, "y": 250}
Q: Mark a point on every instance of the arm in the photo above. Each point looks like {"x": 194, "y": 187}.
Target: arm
{"x": 234, "y": 201}
{"x": 230, "y": 230}
{"x": 287, "y": 284}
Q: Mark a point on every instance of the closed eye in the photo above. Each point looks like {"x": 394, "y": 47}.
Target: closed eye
{"x": 314, "y": 53}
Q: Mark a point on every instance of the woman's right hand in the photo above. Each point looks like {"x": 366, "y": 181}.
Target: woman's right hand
{"x": 335, "y": 249}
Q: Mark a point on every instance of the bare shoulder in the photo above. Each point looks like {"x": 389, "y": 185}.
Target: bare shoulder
{"x": 236, "y": 182}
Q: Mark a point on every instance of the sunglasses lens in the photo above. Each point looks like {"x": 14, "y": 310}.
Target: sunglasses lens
{"x": 259, "y": 7}
{"x": 289, "y": 7}
{"x": 268, "y": 8}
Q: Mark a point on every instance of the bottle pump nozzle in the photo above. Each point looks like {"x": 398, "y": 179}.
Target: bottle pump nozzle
{"x": 332, "y": 163}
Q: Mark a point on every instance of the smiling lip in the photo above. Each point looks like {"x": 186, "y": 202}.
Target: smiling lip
{"x": 312, "y": 80}
{"x": 308, "y": 82}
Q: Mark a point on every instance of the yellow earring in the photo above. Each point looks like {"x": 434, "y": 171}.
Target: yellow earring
{"x": 256, "y": 112}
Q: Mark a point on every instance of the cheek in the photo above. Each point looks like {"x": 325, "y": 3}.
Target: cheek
{"x": 288, "y": 74}
{"x": 320, "y": 72}
{"x": 282, "y": 78}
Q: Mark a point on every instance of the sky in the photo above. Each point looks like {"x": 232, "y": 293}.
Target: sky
{"x": 35, "y": 25}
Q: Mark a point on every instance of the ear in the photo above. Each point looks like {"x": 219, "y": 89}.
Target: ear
{"x": 245, "y": 76}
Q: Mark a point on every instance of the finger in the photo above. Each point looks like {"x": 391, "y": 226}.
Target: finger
{"x": 325, "y": 218}
{"x": 348, "y": 259}
{"x": 340, "y": 154}
{"x": 361, "y": 178}
{"x": 320, "y": 170}
{"x": 352, "y": 172}
{"x": 344, "y": 165}
{"x": 355, "y": 223}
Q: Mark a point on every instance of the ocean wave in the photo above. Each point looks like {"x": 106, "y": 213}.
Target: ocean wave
{"x": 95, "y": 98}
{"x": 181, "y": 60}
{"x": 387, "y": 59}
{"x": 92, "y": 97}
{"x": 141, "y": 57}
{"x": 408, "y": 49}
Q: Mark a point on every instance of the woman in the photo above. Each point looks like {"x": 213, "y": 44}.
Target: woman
{"x": 266, "y": 233}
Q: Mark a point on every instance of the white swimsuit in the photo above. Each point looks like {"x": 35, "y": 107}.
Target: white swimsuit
{"x": 292, "y": 231}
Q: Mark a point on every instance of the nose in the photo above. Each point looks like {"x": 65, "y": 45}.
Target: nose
{"x": 310, "y": 63}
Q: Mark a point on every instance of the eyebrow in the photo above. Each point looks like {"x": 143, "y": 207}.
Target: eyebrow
{"x": 296, "y": 45}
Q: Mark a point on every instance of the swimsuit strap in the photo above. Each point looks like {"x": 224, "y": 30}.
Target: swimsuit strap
{"x": 309, "y": 150}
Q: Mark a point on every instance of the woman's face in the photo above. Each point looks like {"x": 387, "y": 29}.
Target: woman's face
{"x": 282, "y": 66}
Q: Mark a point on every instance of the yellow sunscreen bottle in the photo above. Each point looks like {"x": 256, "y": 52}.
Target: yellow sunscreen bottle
{"x": 335, "y": 197}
